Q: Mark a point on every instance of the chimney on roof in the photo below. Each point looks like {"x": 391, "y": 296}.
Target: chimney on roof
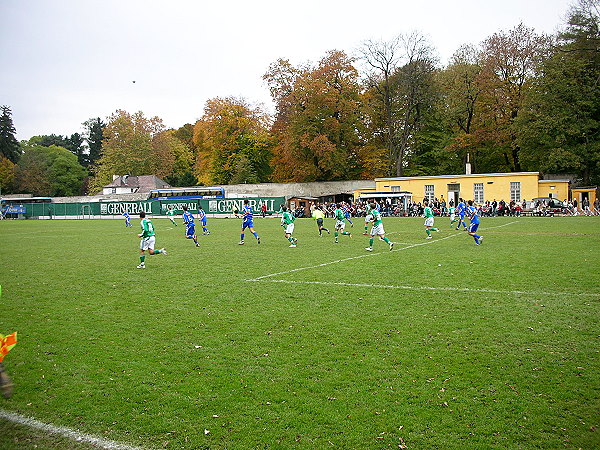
{"x": 468, "y": 165}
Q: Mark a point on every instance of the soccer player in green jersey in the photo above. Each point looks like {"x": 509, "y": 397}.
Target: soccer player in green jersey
{"x": 339, "y": 223}
{"x": 319, "y": 215}
{"x": 171, "y": 216}
{"x": 367, "y": 218}
{"x": 287, "y": 222}
{"x": 377, "y": 229}
{"x": 452, "y": 214}
{"x": 148, "y": 240}
{"x": 428, "y": 214}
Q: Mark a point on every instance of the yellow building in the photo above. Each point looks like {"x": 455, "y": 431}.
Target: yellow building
{"x": 480, "y": 187}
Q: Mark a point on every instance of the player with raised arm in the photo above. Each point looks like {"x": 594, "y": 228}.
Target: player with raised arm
{"x": 148, "y": 240}
{"x": 375, "y": 217}
{"x": 287, "y": 222}
{"x": 248, "y": 221}
{"x": 203, "y": 220}
{"x": 338, "y": 214}
{"x": 474, "y": 222}
{"x": 188, "y": 220}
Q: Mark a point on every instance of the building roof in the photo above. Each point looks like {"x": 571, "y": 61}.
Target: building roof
{"x": 472, "y": 175}
{"x": 142, "y": 183}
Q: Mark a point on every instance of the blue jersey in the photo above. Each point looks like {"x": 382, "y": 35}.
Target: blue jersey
{"x": 127, "y": 216}
{"x": 202, "y": 216}
{"x": 473, "y": 216}
{"x": 248, "y": 219}
{"x": 188, "y": 218}
{"x": 460, "y": 209}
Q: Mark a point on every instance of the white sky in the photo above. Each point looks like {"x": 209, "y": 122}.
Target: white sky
{"x": 65, "y": 61}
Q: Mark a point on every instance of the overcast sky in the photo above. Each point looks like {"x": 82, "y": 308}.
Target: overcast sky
{"x": 65, "y": 61}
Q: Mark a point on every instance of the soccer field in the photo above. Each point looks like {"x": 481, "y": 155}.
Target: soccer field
{"x": 437, "y": 344}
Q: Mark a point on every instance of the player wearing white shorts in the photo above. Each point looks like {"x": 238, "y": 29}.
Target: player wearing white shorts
{"x": 148, "y": 240}
{"x": 340, "y": 224}
{"x": 287, "y": 222}
{"x": 428, "y": 214}
{"x": 377, "y": 229}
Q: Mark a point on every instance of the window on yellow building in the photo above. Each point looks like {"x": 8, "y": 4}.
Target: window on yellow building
{"x": 478, "y": 192}
{"x": 429, "y": 192}
{"x": 515, "y": 191}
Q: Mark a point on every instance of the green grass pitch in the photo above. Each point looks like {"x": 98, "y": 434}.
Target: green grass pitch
{"x": 437, "y": 344}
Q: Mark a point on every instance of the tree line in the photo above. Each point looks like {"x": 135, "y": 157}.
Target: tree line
{"x": 518, "y": 101}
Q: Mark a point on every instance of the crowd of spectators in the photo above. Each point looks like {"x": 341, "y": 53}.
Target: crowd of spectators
{"x": 493, "y": 208}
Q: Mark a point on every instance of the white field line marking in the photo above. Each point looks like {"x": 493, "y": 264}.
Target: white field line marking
{"x": 366, "y": 255}
{"x": 429, "y": 288}
{"x": 64, "y": 431}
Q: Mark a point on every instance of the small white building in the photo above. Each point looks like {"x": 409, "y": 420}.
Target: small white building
{"x": 127, "y": 184}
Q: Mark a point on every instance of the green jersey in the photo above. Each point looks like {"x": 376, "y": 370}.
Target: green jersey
{"x": 451, "y": 210}
{"x": 339, "y": 215}
{"x": 287, "y": 218}
{"x": 171, "y": 212}
{"x": 147, "y": 227}
{"x": 428, "y": 212}
{"x": 376, "y": 217}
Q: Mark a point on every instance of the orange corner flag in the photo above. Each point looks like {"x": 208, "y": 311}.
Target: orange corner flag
{"x": 6, "y": 343}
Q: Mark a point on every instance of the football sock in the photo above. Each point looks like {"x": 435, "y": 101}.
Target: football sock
{"x": 255, "y": 234}
{"x": 242, "y": 237}
{"x": 386, "y": 240}
{"x": 428, "y": 231}
{"x": 142, "y": 259}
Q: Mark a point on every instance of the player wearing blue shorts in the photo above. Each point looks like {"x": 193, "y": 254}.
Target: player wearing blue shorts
{"x": 248, "y": 222}
{"x": 461, "y": 210}
{"x": 203, "y": 220}
{"x": 474, "y": 219}
{"x": 188, "y": 220}
{"x": 347, "y": 213}
{"x": 127, "y": 219}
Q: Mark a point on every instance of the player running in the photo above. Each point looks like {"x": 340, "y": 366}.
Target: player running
{"x": 148, "y": 240}
{"x": 287, "y": 222}
{"x": 474, "y": 219}
{"x": 203, "y": 220}
{"x": 452, "y": 214}
{"x": 339, "y": 224}
{"x": 188, "y": 220}
{"x": 428, "y": 214}
{"x": 377, "y": 229}
{"x": 171, "y": 216}
{"x": 461, "y": 209}
{"x": 347, "y": 213}
{"x": 367, "y": 219}
{"x": 319, "y": 216}
{"x": 248, "y": 222}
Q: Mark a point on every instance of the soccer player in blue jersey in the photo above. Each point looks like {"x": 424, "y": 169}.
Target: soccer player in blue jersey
{"x": 461, "y": 210}
{"x": 127, "y": 219}
{"x": 248, "y": 221}
{"x": 202, "y": 217}
{"x": 188, "y": 220}
{"x": 347, "y": 213}
{"x": 474, "y": 219}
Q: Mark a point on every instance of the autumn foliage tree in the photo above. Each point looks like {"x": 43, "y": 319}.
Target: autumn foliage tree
{"x": 232, "y": 142}
{"x": 318, "y": 119}
{"x": 136, "y": 145}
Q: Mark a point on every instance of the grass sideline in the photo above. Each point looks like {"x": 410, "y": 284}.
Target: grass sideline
{"x": 189, "y": 354}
